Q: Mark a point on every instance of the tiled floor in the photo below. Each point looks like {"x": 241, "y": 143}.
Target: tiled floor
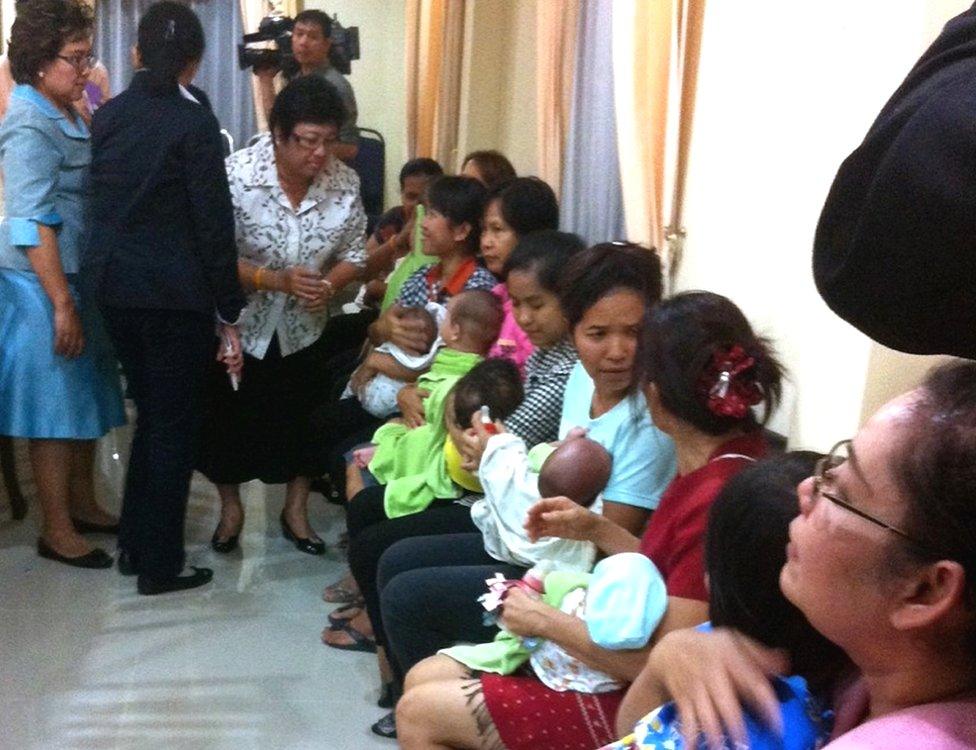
{"x": 85, "y": 662}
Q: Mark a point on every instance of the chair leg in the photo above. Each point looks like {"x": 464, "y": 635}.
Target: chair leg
{"x": 8, "y": 468}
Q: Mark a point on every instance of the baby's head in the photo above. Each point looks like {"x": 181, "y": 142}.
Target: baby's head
{"x": 745, "y": 550}
{"x": 494, "y": 383}
{"x": 578, "y": 469}
{"x": 423, "y": 316}
{"x": 473, "y": 321}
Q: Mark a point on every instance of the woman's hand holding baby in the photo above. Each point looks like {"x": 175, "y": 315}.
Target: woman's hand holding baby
{"x": 410, "y": 399}
{"x": 561, "y": 517}
{"x": 524, "y": 615}
{"x": 710, "y": 676}
{"x": 408, "y": 333}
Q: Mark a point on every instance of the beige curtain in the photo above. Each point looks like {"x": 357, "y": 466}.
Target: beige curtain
{"x": 556, "y": 32}
{"x": 434, "y": 57}
{"x": 656, "y": 51}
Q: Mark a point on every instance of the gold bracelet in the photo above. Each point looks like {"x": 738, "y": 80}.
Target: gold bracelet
{"x": 258, "y": 275}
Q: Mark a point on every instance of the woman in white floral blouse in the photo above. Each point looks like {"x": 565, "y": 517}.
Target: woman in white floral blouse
{"x": 300, "y": 239}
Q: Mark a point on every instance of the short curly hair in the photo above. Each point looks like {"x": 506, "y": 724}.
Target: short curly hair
{"x": 41, "y": 29}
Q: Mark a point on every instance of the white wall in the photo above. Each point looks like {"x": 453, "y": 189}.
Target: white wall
{"x": 786, "y": 91}
{"x": 378, "y": 78}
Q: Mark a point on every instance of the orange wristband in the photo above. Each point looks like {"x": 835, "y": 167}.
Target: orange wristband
{"x": 258, "y": 276}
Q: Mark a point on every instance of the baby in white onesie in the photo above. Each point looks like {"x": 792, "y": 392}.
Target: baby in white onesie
{"x": 388, "y": 368}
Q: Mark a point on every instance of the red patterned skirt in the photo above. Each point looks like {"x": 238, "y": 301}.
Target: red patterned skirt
{"x": 530, "y": 716}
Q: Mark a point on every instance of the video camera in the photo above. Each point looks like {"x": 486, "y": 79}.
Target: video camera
{"x": 270, "y": 46}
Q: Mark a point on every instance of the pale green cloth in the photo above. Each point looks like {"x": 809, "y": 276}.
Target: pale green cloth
{"x": 412, "y": 262}
{"x": 506, "y": 653}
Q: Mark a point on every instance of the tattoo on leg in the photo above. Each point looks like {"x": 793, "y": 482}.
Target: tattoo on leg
{"x": 487, "y": 733}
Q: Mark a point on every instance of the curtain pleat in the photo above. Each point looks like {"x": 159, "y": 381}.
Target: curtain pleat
{"x": 556, "y": 27}
{"x": 592, "y": 205}
{"x": 641, "y": 69}
{"x": 690, "y": 24}
{"x": 434, "y": 57}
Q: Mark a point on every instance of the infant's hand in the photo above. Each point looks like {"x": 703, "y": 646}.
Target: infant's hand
{"x": 363, "y": 456}
{"x": 360, "y": 377}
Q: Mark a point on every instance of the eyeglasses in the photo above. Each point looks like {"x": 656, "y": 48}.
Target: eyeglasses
{"x": 837, "y": 456}
{"x": 313, "y": 143}
{"x": 79, "y": 62}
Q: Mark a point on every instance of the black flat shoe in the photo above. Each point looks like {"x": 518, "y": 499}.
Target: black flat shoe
{"x": 127, "y": 564}
{"x": 224, "y": 546}
{"x": 386, "y": 699}
{"x": 309, "y": 546}
{"x": 96, "y": 559}
{"x": 148, "y": 586}
{"x": 385, "y": 727}
{"x": 87, "y": 527}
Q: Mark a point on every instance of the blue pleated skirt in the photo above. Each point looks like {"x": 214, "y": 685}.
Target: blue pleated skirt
{"x": 42, "y": 394}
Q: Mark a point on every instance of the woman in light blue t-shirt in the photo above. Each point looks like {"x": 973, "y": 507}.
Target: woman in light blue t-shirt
{"x": 607, "y": 296}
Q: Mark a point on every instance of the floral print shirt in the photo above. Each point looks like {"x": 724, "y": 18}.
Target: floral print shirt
{"x": 328, "y": 227}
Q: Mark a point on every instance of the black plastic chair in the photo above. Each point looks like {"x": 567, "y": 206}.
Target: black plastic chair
{"x": 370, "y": 165}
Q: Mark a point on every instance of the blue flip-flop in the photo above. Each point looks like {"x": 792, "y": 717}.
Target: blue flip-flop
{"x": 360, "y": 642}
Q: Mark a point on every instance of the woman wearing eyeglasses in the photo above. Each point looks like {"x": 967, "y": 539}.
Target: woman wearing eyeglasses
{"x": 162, "y": 247}
{"x": 882, "y": 561}
{"x": 59, "y": 385}
{"x": 300, "y": 230}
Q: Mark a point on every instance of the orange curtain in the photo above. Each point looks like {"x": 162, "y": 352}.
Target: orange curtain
{"x": 556, "y": 33}
{"x": 691, "y": 20}
{"x": 434, "y": 56}
{"x": 656, "y": 51}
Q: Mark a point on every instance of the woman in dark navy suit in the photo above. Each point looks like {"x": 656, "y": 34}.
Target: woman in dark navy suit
{"x": 162, "y": 242}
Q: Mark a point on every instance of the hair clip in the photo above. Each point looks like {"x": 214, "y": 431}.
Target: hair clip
{"x": 724, "y": 392}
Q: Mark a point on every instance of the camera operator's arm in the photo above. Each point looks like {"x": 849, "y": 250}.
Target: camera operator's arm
{"x": 266, "y": 87}
{"x": 348, "y": 145}
{"x": 346, "y": 151}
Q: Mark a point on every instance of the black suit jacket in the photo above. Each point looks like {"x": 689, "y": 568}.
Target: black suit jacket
{"x": 161, "y": 221}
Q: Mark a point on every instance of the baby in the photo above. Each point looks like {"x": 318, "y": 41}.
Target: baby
{"x": 494, "y": 384}
{"x": 410, "y": 461}
{"x": 578, "y": 468}
{"x": 388, "y": 368}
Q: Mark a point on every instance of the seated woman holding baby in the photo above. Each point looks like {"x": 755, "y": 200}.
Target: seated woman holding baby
{"x": 706, "y": 370}
{"x": 451, "y": 230}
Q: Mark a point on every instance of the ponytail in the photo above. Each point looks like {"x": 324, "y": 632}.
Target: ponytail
{"x": 170, "y": 38}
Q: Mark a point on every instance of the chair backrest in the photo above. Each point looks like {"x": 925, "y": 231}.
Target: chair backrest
{"x": 370, "y": 165}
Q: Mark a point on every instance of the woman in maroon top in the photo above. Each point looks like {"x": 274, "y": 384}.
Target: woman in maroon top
{"x": 706, "y": 370}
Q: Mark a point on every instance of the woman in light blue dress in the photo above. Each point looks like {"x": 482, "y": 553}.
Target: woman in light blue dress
{"x": 59, "y": 384}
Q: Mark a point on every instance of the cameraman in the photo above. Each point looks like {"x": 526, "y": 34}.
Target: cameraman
{"x": 311, "y": 42}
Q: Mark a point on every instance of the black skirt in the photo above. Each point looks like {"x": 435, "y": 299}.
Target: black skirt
{"x": 265, "y": 430}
